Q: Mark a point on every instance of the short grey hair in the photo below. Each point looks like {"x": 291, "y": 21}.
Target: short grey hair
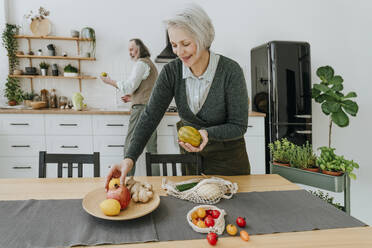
{"x": 196, "y": 22}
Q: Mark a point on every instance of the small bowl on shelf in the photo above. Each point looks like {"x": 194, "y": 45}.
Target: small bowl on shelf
{"x": 70, "y": 74}
{"x": 38, "y": 105}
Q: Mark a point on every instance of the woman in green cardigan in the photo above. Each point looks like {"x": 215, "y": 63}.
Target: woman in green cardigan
{"x": 210, "y": 93}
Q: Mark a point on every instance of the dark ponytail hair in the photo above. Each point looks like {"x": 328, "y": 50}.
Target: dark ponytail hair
{"x": 143, "y": 50}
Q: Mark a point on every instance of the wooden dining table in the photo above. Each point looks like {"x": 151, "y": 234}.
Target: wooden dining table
{"x": 77, "y": 188}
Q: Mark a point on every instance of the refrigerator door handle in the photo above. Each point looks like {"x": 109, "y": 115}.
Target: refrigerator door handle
{"x": 304, "y": 131}
{"x": 303, "y": 116}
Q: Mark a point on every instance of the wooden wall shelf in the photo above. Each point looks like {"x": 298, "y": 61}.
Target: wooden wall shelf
{"x": 50, "y": 38}
{"x": 31, "y": 57}
{"x": 55, "y": 57}
{"x": 59, "y": 77}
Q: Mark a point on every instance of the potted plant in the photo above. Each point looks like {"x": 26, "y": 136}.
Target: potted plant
{"x": 11, "y": 45}
{"x": 334, "y": 165}
{"x": 28, "y": 97}
{"x": 70, "y": 71}
{"x": 309, "y": 163}
{"x": 89, "y": 33}
{"x": 44, "y": 68}
{"x": 280, "y": 151}
{"x": 13, "y": 91}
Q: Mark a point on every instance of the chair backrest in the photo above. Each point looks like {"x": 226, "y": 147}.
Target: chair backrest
{"x": 164, "y": 159}
{"x": 69, "y": 159}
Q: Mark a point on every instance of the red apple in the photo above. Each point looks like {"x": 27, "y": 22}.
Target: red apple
{"x": 121, "y": 194}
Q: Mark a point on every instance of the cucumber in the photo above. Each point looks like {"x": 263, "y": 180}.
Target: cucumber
{"x": 183, "y": 187}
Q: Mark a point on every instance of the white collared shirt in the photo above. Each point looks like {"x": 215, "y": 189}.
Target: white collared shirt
{"x": 140, "y": 72}
{"x": 197, "y": 88}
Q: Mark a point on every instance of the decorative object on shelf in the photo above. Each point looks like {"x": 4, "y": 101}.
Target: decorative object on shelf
{"x": 11, "y": 45}
{"x": 70, "y": 71}
{"x": 87, "y": 55}
{"x": 38, "y": 105}
{"x": 54, "y": 70}
{"x": 53, "y": 99}
{"x": 51, "y": 50}
{"x": 20, "y": 53}
{"x": 77, "y": 101}
{"x": 30, "y": 71}
{"x": 30, "y": 53}
{"x": 40, "y": 26}
{"x": 17, "y": 72}
{"x": 335, "y": 104}
{"x": 64, "y": 54}
{"x": 13, "y": 91}
{"x": 44, "y": 68}
{"x": 89, "y": 33}
{"x": 74, "y": 33}
{"x": 39, "y": 52}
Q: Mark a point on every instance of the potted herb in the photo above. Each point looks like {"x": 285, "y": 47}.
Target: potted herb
{"x": 89, "y": 33}
{"x": 334, "y": 165}
{"x": 28, "y": 97}
{"x": 280, "y": 151}
{"x": 44, "y": 68}
{"x": 13, "y": 91}
{"x": 309, "y": 163}
{"x": 11, "y": 45}
{"x": 70, "y": 71}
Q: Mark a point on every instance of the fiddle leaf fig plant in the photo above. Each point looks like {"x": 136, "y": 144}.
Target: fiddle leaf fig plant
{"x": 334, "y": 102}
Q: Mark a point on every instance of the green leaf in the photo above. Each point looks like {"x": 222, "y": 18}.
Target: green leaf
{"x": 336, "y": 80}
{"x": 350, "y": 95}
{"x": 337, "y": 87}
{"x": 350, "y": 107}
{"x": 325, "y": 73}
{"x": 334, "y": 106}
{"x": 352, "y": 176}
{"x": 340, "y": 118}
{"x": 315, "y": 93}
{"x": 321, "y": 87}
{"x": 325, "y": 108}
{"x": 321, "y": 98}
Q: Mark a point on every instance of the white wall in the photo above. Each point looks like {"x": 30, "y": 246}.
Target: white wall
{"x": 338, "y": 31}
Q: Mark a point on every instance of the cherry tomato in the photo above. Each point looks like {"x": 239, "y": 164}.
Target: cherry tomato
{"x": 209, "y": 211}
{"x": 231, "y": 229}
{"x": 215, "y": 214}
{"x": 244, "y": 235}
{"x": 201, "y": 224}
{"x": 201, "y": 212}
{"x": 212, "y": 238}
{"x": 240, "y": 221}
{"x": 209, "y": 221}
{"x": 194, "y": 215}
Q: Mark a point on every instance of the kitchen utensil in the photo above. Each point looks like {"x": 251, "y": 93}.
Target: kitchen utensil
{"x": 134, "y": 210}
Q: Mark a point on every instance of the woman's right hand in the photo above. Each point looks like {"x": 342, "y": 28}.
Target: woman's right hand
{"x": 108, "y": 80}
{"x": 119, "y": 171}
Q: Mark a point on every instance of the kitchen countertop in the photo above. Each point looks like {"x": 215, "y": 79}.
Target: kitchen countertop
{"x": 88, "y": 111}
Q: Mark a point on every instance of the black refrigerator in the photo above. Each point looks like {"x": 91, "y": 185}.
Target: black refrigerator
{"x": 281, "y": 88}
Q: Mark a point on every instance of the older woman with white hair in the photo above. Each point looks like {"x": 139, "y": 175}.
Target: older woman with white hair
{"x": 210, "y": 93}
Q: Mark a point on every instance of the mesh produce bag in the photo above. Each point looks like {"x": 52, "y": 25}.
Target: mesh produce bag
{"x": 219, "y": 223}
{"x": 207, "y": 191}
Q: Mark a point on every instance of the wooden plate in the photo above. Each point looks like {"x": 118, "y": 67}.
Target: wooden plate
{"x": 41, "y": 27}
{"x": 134, "y": 210}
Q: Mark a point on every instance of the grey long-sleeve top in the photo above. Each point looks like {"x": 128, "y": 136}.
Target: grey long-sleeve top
{"x": 224, "y": 114}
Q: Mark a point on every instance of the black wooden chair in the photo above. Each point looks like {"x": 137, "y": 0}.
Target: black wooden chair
{"x": 69, "y": 159}
{"x": 164, "y": 159}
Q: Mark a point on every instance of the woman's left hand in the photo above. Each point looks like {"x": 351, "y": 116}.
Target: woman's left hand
{"x": 188, "y": 147}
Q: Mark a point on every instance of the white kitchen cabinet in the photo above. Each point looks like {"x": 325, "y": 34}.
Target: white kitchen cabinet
{"x": 255, "y": 144}
{"x": 21, "y": 124}
{"x": 110, "y": 124}
{"x": 68, "y": 125}
{"x": 19, "y": 167}
{"x": 69, "y": 144}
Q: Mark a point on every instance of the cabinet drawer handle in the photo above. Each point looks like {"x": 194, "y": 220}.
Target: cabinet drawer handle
{"x": 250, "y": 126}
{"x": 21, "y": 167}
{"x": 19, "y": 124}
{"x": 115, "y": 125}
{"x": 115, "y": 145}
{"x": 65, "y": 166}
{"x": 170, "y": 125}
{"x": 69, "y": 146}
{"x": 304, "y": 132}
{"x": 19, "y": 146}
{"x": 68, "y": 125}
{"x": 303, "y": 116}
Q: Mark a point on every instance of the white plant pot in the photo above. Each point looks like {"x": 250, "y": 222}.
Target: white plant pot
{"x": 70, "y": 74}
{"x": 44, "y": 72}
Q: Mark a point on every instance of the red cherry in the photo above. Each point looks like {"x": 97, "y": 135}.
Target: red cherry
{"x": 212, "y": 238}
{"x": 240, "y": 221}
{"x": 215, "y": 214}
